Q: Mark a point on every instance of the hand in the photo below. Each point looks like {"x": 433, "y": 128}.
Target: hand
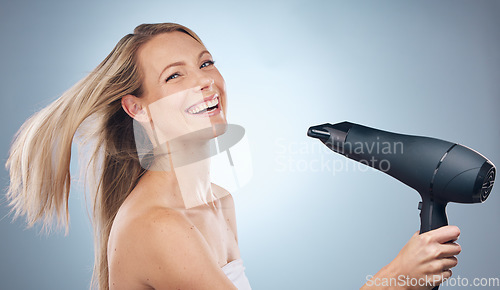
{"x": 429, "y": 256}
{"x": 425, "y": 258}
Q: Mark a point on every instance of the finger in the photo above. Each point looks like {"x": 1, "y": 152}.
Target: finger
{"x": 445, "y": 234}
{"x": 446, "y": 275}
{"x": 449, "y": 250}
{"x": 435, "y": 280}
{"x": 449, "y": 262}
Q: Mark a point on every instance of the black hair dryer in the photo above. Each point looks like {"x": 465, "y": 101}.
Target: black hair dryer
{"x": 440, "y": 171}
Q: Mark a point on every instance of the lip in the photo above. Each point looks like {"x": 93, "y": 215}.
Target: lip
{"x": 207, "y": 99}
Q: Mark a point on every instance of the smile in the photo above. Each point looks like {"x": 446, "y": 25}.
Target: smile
{"x": 209, "y": 106}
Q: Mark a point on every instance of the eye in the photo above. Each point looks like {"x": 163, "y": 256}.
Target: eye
{"x": 207, "y": 63}
{"x": 175, "y": 75}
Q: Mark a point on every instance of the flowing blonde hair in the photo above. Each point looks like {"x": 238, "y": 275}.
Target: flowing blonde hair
{"x": 39, "y": 160}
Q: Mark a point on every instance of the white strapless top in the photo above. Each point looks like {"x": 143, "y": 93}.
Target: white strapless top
{"x": 235, "y": 271}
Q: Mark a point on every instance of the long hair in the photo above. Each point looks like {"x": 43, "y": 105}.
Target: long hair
{"x": 39, "y": 160}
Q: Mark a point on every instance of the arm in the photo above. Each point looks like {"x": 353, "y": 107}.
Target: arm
{"x": 426, "y": 257}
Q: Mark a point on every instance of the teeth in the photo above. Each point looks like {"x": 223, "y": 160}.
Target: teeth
{"x": 203, "y": 106}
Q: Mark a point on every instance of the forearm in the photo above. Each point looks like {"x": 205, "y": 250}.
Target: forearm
{"x": 386, "y": 278}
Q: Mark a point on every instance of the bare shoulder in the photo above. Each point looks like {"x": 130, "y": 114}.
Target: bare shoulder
{"x": 163, "y": 250}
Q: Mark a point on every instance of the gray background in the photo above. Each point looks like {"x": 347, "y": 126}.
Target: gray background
{"x": 418, "y": 67}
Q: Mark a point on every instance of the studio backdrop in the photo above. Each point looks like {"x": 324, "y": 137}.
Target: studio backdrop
{"x": 308, "y": 218}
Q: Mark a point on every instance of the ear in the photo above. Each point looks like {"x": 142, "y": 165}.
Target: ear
{"x": 132, "y": 105}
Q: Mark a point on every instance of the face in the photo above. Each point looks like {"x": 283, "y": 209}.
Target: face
{"x": 183, "y": 90}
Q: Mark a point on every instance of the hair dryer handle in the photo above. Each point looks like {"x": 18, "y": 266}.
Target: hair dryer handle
{"x": 432, "y": 215}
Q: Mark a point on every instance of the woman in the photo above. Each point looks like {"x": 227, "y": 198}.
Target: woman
{"x": 159, "y": 223}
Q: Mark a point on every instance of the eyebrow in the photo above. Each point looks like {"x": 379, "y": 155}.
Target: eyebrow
{"x": 179, "y": 63}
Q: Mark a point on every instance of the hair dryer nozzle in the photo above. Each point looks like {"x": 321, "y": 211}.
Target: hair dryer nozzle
{"x": 318, "y": 132}
{"x": 332, "y": 135}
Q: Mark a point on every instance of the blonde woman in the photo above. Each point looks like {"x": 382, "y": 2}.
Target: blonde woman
{"x": 159, "y": 222}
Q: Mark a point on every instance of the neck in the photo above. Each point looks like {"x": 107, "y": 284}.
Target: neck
{"x": 185, "y": 167}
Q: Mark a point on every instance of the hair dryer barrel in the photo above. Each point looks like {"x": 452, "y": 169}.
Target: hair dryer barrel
{"x": 445, "y": 170}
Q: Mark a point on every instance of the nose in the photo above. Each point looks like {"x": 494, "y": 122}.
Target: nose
{"x": 203, "y": 81}
{"x": 206, "y": 85}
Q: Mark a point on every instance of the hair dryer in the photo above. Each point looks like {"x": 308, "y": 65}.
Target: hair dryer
{"x": 440, "y": 171}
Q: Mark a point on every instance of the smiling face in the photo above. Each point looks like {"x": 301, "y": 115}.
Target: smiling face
{"x": 183, "y": 92}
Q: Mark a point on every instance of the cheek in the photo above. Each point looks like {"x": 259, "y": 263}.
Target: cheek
{"x": 221, "y": 86}
{"x": 167, "y": 117}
